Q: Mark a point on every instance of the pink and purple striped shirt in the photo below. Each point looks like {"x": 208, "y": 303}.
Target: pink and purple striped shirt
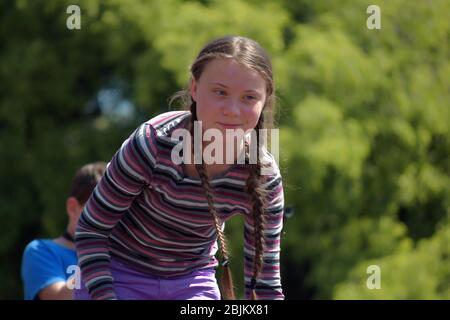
{"x": 148, "y": 214}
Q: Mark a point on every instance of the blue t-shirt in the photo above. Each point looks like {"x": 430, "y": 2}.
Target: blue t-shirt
{"x": 45, "y": 262}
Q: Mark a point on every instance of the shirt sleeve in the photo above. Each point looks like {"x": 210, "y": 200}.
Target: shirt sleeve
{"x": 129, "y": 171}
{"x": 268, "y": 283}
{"x": 40, "y": 269}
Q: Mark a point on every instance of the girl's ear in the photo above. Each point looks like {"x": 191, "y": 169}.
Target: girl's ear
{"x": 193, "y": 89}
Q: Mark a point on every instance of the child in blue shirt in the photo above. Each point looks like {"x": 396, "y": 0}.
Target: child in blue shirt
{"x": 49, "y": 266}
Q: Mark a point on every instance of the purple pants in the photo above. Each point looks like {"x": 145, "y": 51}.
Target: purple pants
{"x": 130, "y": 284}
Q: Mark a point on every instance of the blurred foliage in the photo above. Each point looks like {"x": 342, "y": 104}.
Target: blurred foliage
{"x": 364, "y": 118}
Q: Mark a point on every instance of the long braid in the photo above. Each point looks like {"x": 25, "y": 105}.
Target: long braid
{"x": 257, "y": 196}
{"x": 226, "y": 280}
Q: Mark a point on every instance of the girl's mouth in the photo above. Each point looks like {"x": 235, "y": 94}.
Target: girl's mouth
{"x": 229, "y": 125}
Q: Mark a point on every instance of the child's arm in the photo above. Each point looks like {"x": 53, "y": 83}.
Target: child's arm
{"x": 43, "y": 273}
{"x": 126, "y": 175}
{"x": 268, "y": 284}
{"x": 57, "y": 291}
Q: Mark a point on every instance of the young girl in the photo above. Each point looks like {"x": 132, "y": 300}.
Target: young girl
{"x": 150, "y": 228}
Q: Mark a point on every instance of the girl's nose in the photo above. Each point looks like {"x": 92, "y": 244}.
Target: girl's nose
{"x": 231, "y": 107}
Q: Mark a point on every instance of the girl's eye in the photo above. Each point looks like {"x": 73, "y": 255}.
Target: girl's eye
{"x": 219, "y": 92}
{"x": 250, "y": 97}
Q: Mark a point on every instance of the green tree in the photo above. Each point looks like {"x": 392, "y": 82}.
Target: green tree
{"x": 371, "y": 136}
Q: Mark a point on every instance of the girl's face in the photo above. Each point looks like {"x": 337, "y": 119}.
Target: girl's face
{"x": 228, "y": 96}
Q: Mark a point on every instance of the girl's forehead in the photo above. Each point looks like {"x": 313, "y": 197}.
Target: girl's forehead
{"x": 230, "y": 72}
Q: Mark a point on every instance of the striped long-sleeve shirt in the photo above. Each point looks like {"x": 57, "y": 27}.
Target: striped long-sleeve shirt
{"x": 147, "y": 213}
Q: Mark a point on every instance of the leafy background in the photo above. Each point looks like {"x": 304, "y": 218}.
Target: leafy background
{"x": 363, "y": 117}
